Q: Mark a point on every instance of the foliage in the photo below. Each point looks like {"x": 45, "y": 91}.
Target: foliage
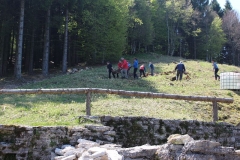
{"x": 216, "y": 38}
{"x": 98, "y": 31}
{"x": 105, "y": 30}
{"x": 231, "y": 27}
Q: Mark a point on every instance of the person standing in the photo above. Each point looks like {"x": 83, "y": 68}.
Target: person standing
{"x": 129, "y": 67}
{"x": 124, "y": 68}
{"x": 151, "y": 66}
{"x": 135, "y": 68}
{"x": 180, "y": 70}
{"x": 119, "y": 67}
{"x": 110, "y": 70}
{"x": 142, "y": 70}
{"x": 215, "y": 69}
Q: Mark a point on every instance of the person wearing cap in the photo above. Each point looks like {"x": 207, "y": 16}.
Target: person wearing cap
{"x": 180, "y": 68}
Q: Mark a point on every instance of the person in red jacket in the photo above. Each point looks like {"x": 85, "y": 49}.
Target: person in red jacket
{"x": 119, "y": 67}
{"x": 124, "y": 68}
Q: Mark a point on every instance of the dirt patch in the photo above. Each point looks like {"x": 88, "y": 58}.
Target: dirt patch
{"x": 10, "y": 82}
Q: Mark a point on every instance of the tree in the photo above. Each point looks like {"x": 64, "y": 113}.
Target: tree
{"x": 216, "y": 38}
{"x": 199, "y": 4}
{"x": 140, "y": 26}
{"x": 227, "y": 6}
{"x": 203, "y": 37}
{"x": 46, "y": 44}
{"x": 231, "y": 27}
{"x": 216, "y": 7}
{"x": 159, "y": 26}
{"x": 64, "y": 61}
{"x": 18, "y": 65}
{"x": 178, "y": 14}
{"x": 104, "y": 33}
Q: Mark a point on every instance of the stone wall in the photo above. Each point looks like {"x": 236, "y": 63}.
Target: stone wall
{"x": 132, "y": 131}
{"x": 27, "y": 143}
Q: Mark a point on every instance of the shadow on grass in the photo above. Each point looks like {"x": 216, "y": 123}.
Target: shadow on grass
{"x": 237, "y": 92}
{"x": 28, "y": 101}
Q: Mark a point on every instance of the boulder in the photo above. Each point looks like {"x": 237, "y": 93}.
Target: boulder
{"x": 179, "y": 139}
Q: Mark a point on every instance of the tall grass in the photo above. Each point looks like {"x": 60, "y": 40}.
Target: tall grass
{"x": 52, "y": 110}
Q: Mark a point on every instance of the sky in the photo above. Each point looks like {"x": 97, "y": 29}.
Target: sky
{"x": 235, "y": 4}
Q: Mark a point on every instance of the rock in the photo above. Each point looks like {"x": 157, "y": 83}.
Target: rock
{"x": 86, "y": 144}
{"x": 113, "y": 155}
{"x": 179, "y": 139}
{"x": 139, "y": 151}
{"x": 58, "y": 152}
{"x": 71, "y": 157}
{"x": 96, "y": 152}
{"x": 181, "y": 147}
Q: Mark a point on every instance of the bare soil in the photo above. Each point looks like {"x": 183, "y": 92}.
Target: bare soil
{"x": 10, "y": 82}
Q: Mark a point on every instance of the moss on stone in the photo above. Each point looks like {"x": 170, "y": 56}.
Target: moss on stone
{"x": 19, "y": 130}
{"x": 206, "y": 136}
{"x": 168, "y": 129}
{"x": 65, "y": 140}
{"x": 184, "y": 125}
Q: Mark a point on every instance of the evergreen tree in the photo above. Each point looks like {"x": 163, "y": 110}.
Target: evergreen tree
{"x": 216, "y": 38}
{"x": 216, "y": 7}
{"x": 103, "y": 36}
{"x": 227, "y": 6}
{"x": 231, "y": 27}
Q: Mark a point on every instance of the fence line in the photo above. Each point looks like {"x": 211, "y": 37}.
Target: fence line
{"x": 89, "y": 91}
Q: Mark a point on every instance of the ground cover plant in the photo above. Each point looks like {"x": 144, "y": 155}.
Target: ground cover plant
{"x": 53, "y": 110}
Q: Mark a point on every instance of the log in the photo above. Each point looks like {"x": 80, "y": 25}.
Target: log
{"x": 117, "y": 92}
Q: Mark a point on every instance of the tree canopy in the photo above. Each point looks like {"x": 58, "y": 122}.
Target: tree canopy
{"x": 45, "y": 34}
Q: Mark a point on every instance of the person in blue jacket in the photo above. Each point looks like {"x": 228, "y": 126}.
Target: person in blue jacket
{"x": 151, "y": 66}
{"x": 215, "y": 69}
{"x": 180, "y": 68}
{"x": 135, "y": 68}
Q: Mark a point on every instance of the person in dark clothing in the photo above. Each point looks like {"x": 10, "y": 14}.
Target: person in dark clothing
{"x": 110, "y": 70}
{"x": 215, "y": 69}
{"x": 151, "y": 66}
{"x": 180, "y": 70}
{"x": 135, "y": 66}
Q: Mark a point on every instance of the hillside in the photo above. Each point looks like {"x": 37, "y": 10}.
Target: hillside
{"x": 48, "y": 110}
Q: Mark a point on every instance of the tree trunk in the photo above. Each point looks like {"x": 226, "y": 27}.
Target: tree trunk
{"x": 195, "y": 49}
{"x": 64, "y": 61}
{"x": 18, "y": 64}
{"x": 46, "y": 45}
{"x": 168, "y": 37}
{"x": 1, "y": 56}
{"x": 30, "y": 69}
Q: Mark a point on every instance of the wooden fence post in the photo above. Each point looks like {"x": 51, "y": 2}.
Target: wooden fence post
{"x": 215, "y": 111}
{"x": 88, "y": 103}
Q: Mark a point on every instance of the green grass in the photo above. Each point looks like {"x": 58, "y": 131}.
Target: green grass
{"x": 52, "y": 110}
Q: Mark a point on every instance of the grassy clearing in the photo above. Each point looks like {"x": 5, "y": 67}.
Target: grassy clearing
{"x": 52, "y": 110}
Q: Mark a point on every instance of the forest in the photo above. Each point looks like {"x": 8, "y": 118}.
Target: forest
{"x": 45, "y": 34}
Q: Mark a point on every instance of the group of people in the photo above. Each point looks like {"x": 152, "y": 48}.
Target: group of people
{"x": 124, "y": 67}
{"x": 180, "y": 68}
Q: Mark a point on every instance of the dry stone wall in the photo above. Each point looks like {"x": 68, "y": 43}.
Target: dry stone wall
{"x": 132, "y": 131}
{"x": 27, "y": 143}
